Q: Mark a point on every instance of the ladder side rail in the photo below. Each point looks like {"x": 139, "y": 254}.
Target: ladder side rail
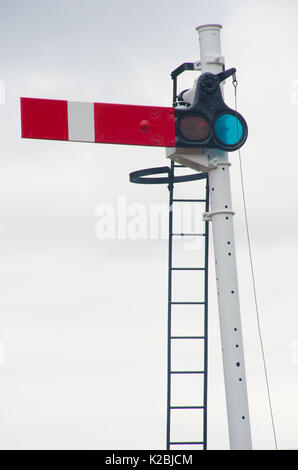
{"x": 206, "y": 264}
{"x": 170, "y": 259}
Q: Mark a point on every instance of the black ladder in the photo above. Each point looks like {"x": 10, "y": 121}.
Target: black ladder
{"x": 193, "y": 412}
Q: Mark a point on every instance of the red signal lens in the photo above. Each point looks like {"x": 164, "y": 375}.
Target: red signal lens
{"x": 194, "y": 128}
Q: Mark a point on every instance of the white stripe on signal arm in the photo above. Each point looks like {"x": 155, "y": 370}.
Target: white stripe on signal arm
{"x": 80, "y": 121}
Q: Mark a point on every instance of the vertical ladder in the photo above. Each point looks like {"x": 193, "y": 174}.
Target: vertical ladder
{"x": 201, "y": 441}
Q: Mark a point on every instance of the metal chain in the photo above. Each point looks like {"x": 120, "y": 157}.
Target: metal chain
{"x": 235, "y": 84}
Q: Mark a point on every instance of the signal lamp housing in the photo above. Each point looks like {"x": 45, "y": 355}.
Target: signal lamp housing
{"x": 208, "y": 122}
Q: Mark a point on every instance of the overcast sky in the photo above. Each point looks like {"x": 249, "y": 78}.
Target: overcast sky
{"x": 83, "y": 320}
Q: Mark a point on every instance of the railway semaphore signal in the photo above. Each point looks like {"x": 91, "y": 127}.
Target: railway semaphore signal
{"x": 198, "y": 131}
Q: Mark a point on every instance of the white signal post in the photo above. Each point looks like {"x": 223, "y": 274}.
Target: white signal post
{"x": 221, "y": 215}
{"x": 216, "y": 162}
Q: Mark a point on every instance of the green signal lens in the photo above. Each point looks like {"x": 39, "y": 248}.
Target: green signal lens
{"x": 194, "y": 128}
{"x": 228, "y": 129}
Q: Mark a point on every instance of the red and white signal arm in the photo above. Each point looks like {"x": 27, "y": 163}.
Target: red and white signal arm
{"x": 97, "y": 122}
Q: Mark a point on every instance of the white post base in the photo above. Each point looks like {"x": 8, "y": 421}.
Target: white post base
{"x": 229, "y": 307}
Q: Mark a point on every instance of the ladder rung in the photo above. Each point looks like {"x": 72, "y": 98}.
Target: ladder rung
{"x": 188, "y": 303}
{"x": 187, "y": 372}
{"x": 187, "y": 337}
{"x": 186, "y": 407}
{"x": 188, "y": 234}
{"x": 188, "y": 269}
{"x": 186, "y": 443}
{"x": 188, "y": 200}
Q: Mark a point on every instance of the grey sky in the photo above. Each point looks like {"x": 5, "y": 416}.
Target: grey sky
{"x": 83, "y": 321}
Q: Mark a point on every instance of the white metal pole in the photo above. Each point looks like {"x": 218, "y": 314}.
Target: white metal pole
{"x": 221, "y": 215}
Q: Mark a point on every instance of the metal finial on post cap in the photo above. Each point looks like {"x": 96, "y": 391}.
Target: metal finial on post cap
{"x": 209, "y": 37}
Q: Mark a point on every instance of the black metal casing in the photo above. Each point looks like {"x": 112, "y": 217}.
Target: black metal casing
{"x": 209, "y": 104}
